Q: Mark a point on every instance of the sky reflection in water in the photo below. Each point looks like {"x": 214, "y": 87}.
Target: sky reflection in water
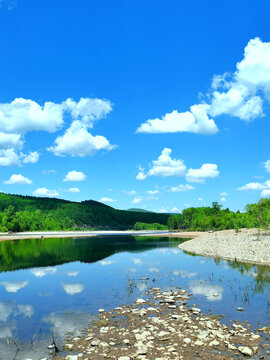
{"x": 91, "y": 273}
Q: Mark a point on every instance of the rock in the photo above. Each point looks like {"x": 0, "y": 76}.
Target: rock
{"x": 142, "y": 351}
{"x": 198, "y": 343}
{"x": 240, "y": 309}
{"x": 214, "y": 343}
{"x": 245, "y": 350}
{"x": 72, "y": 357}
{"x": 140, "y": 301}
{"x": 95, "y": 342}
{"x": 68, "y": 346}
{"x": 101, "y": 310}
{"x": 124, "y": 358}
{"x": 187, "y": 341}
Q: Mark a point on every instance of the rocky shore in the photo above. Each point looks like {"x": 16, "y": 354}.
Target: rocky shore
{"x": 247, "y": 245}
{"x": 162, "y": 326}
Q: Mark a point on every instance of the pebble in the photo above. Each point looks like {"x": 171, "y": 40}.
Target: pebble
{"x": 245, "y": 350}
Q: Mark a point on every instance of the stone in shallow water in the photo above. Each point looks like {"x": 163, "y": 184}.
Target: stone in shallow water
{"x": 124, "y": 358}
{"x": 140, "y": 301}
{"x": 245, "y": 350}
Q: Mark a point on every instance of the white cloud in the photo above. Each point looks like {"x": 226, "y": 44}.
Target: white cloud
{"x": 252, "y": 186}
{"x": 265, "y": 193}
{"x": 107, "y": 200}
{"x": 74, "y": 190}
{"x": 9, "y": 157}
{"x": 223, "y": 194}
{"x": 164, "y": 166}
{"x": 153, "y": 192}
{"x": 267, "y": 166}
{"x": 13, "y": 287}
{"x": 75, "y": 176}
{"x": 240, "y": 94}
{"x": 131, "y": 192}
{"x": 10, "y": 141}
{"x": 18, "y": 179}
{"x": 182, "y": 188}
{"x": 200, "y": 175}
{"x": 49, "y": 172}
{"x": 45, "y": 192}
{"x": 77, "y": 141}
{"x": 88, "y": 110}
{"x": 141, "y": 174}
{"x": 73, "y": 288}
{"x": 200, "y": 199}
{"x": 40, "y": 272}
{"x": 196, "y": 121}
{"x": 22, "y": 115}
{"x": 174, "y": 210}
{"x": 72, "y": 273}
{"x": 31, "y": 158}
{"x": 223, "y": 199}
{"x": 136, "y": 200}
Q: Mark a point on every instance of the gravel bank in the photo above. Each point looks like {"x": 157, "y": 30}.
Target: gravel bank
{"x": 247, "y": 245}
{"x": 163, "y": 327}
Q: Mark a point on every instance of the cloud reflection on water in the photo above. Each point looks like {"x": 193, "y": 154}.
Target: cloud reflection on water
{"x": 212, "y": 292}
{"x": 73, "y": 288}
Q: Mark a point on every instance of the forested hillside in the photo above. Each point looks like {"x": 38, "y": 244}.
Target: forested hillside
{"x": 28, "y": 213}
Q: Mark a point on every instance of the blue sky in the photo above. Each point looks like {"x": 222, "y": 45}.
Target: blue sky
{"x": 151, "y": 104}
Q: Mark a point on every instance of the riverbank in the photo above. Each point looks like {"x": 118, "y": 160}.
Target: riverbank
{"x": 163, "y": 326}
{"x": 247, "y": 245}
{"x": 62, "y": 234}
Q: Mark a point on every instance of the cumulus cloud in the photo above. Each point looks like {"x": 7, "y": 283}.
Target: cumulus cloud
{"x": 9, "y": 157}
{"x": 223, "y": 194}
{"x": 182, "y": 188}
{"x": 265, "y": 193}
{"x": 239, "y": 94}
{"x": 77, "y": 141}
{"x": 10, "y": 141}
{"x": 131, "y": 192}
{"x": 164, "y": 166}
{"x": 107, "y": 200}
{"x": 223, "y": 199}
{"x": 200, "y": 175}
{"x": 153, "y": 192}
{"x": 30, "y": 158}
{"x": 18, "y": 179}
{"x": 196, "y": 121}
{"x": 74, "y": 190}
{"x": 136, "y": 200}
{"x": 75, "y": 176}
{"x": 45, "y": 192}
{"x": 267, "y": 166}
{"x": 252, "y": 186}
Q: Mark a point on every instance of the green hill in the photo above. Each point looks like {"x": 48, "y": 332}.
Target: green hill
{"x": 28, "y": 213}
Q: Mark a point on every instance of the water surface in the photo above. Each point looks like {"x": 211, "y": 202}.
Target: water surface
{"x": 59, "y": 284}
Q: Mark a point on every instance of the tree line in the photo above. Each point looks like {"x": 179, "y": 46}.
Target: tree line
{"x": 216, "y": 218}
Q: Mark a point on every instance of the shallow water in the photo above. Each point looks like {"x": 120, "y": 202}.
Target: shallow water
{"x": 59, "y": 284}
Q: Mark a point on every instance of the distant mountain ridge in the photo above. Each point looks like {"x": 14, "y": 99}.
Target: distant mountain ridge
{"x": 139, "y": 210}
{"x": 84, "y": 214}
